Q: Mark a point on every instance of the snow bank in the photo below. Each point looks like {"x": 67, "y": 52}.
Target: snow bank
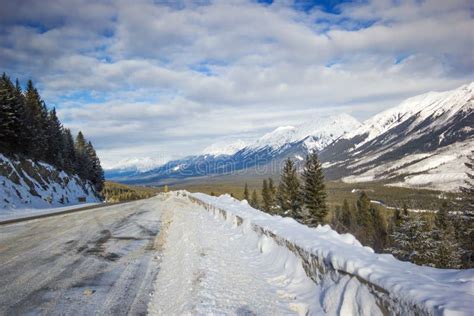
{"x": 26, "y": 186}
{"x": 357, "y": 274}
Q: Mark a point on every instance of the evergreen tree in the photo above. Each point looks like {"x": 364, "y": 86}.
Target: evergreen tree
{"x": 347, "y": 216}
{"x": 54, "y": 133}
{"x": 254, "y": 200}
{"x": 449, "y": 252}
{"x": 246, "y": 193}
{"x": 7, "y": 115}
{"x": 82, "y": 159}
{"x": 365, "y": 229}
{"x": 21, "y": 127}
{"x": 465, "y": 224}
{"x": 36, "y": 122}
{"x": 266, "y": 197}
{"x": 69, "y": 152}
{"x": 272, "y": 190}
{"x": 397, "y": 217}
{"x": 27, "y": 128}
{"x": 380, "y": 233}
{"x": 288, "y": 195}
{"x": 468, "y": 189}
{"x": 414, "y": 241}
{"x": 313, "y": 191}
{"x": 96, "y": 174}
{"x": 442, "y": 217}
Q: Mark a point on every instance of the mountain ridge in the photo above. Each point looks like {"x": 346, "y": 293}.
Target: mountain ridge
{"x": 421, "y": 124}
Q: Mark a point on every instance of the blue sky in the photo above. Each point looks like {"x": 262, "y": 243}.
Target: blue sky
{"x": 164, "y": 79}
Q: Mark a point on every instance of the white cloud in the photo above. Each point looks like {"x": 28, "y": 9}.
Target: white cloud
{"x": 171, "y": 77}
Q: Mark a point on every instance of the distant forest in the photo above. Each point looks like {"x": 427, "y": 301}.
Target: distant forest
{"x": 31, "y": 130}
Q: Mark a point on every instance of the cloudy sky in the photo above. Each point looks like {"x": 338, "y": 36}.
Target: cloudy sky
{"x": 165, "y": 79}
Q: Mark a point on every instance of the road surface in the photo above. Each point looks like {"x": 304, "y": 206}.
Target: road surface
{"x": 161, "y": 256}
{"x": 99, "y": 261}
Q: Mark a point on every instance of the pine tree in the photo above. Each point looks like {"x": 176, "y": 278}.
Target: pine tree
{"x": 380, "y": 233}
{"x": 254, "y": 200}
{"x": 69, "y": 152}
{"x": 246, "y": 193}
{"x": 54, "y": 133}
{"x": 82, "y": 159}
{"x": 347, "y": 216}
{"x": 96, "y": 174}
{"x": 414, "y": 241}
{"x": 313, "y": 191}
{"x": 449, "y": 252}
{"x": 468, "y": 189}
{"x": 36, "y": 122}
{"x": 21, "y": 130}
{"x": 266, "y": 197}
{"x": 272, "y": 190}
{"x": 7, "y": 115}
{"x": 465, "y": 224}
{"x": 288, "y": 195}
{"x": 365, "y": 229}
{"x": 442, "y": 220}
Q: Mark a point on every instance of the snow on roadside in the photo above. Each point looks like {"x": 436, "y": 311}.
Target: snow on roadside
{"x": 209, "y": 267}
{"x": 438, "y": 291}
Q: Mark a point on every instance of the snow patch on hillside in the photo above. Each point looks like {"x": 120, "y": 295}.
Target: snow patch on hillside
{"x": 26, "y": 185}
{"x": 442, "y": 169}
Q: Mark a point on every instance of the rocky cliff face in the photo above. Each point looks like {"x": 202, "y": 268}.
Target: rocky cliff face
{"x": 28, "y": 184}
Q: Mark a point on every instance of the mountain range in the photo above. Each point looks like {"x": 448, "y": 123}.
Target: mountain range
{"x": 422, "y": 143}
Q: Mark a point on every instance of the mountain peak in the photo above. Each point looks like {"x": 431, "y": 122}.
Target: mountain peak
{"x": 422, "y": 106}
{"x": 321, "y": 130}
{"x": 224, "y": 148}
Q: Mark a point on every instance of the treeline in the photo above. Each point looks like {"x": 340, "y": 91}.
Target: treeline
{"x": 444, "y": 239}
{"x": 29, "y": 129}
{"x": 303, "y": 199}
{"x": 116, "y": 192}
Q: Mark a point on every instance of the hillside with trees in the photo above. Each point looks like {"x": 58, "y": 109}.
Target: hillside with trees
{"x": 442, "y": 239}
{"x": 29, "y": 129}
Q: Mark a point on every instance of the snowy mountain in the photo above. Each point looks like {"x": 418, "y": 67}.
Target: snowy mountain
{"x": 422, "y": 142}
{"x": 316, "y": 133}
{"x": 412, "y": 144}
{"x": 26, "y": 184}
{"x": 224, "y": 148}
{"x": 223, "y": 158}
